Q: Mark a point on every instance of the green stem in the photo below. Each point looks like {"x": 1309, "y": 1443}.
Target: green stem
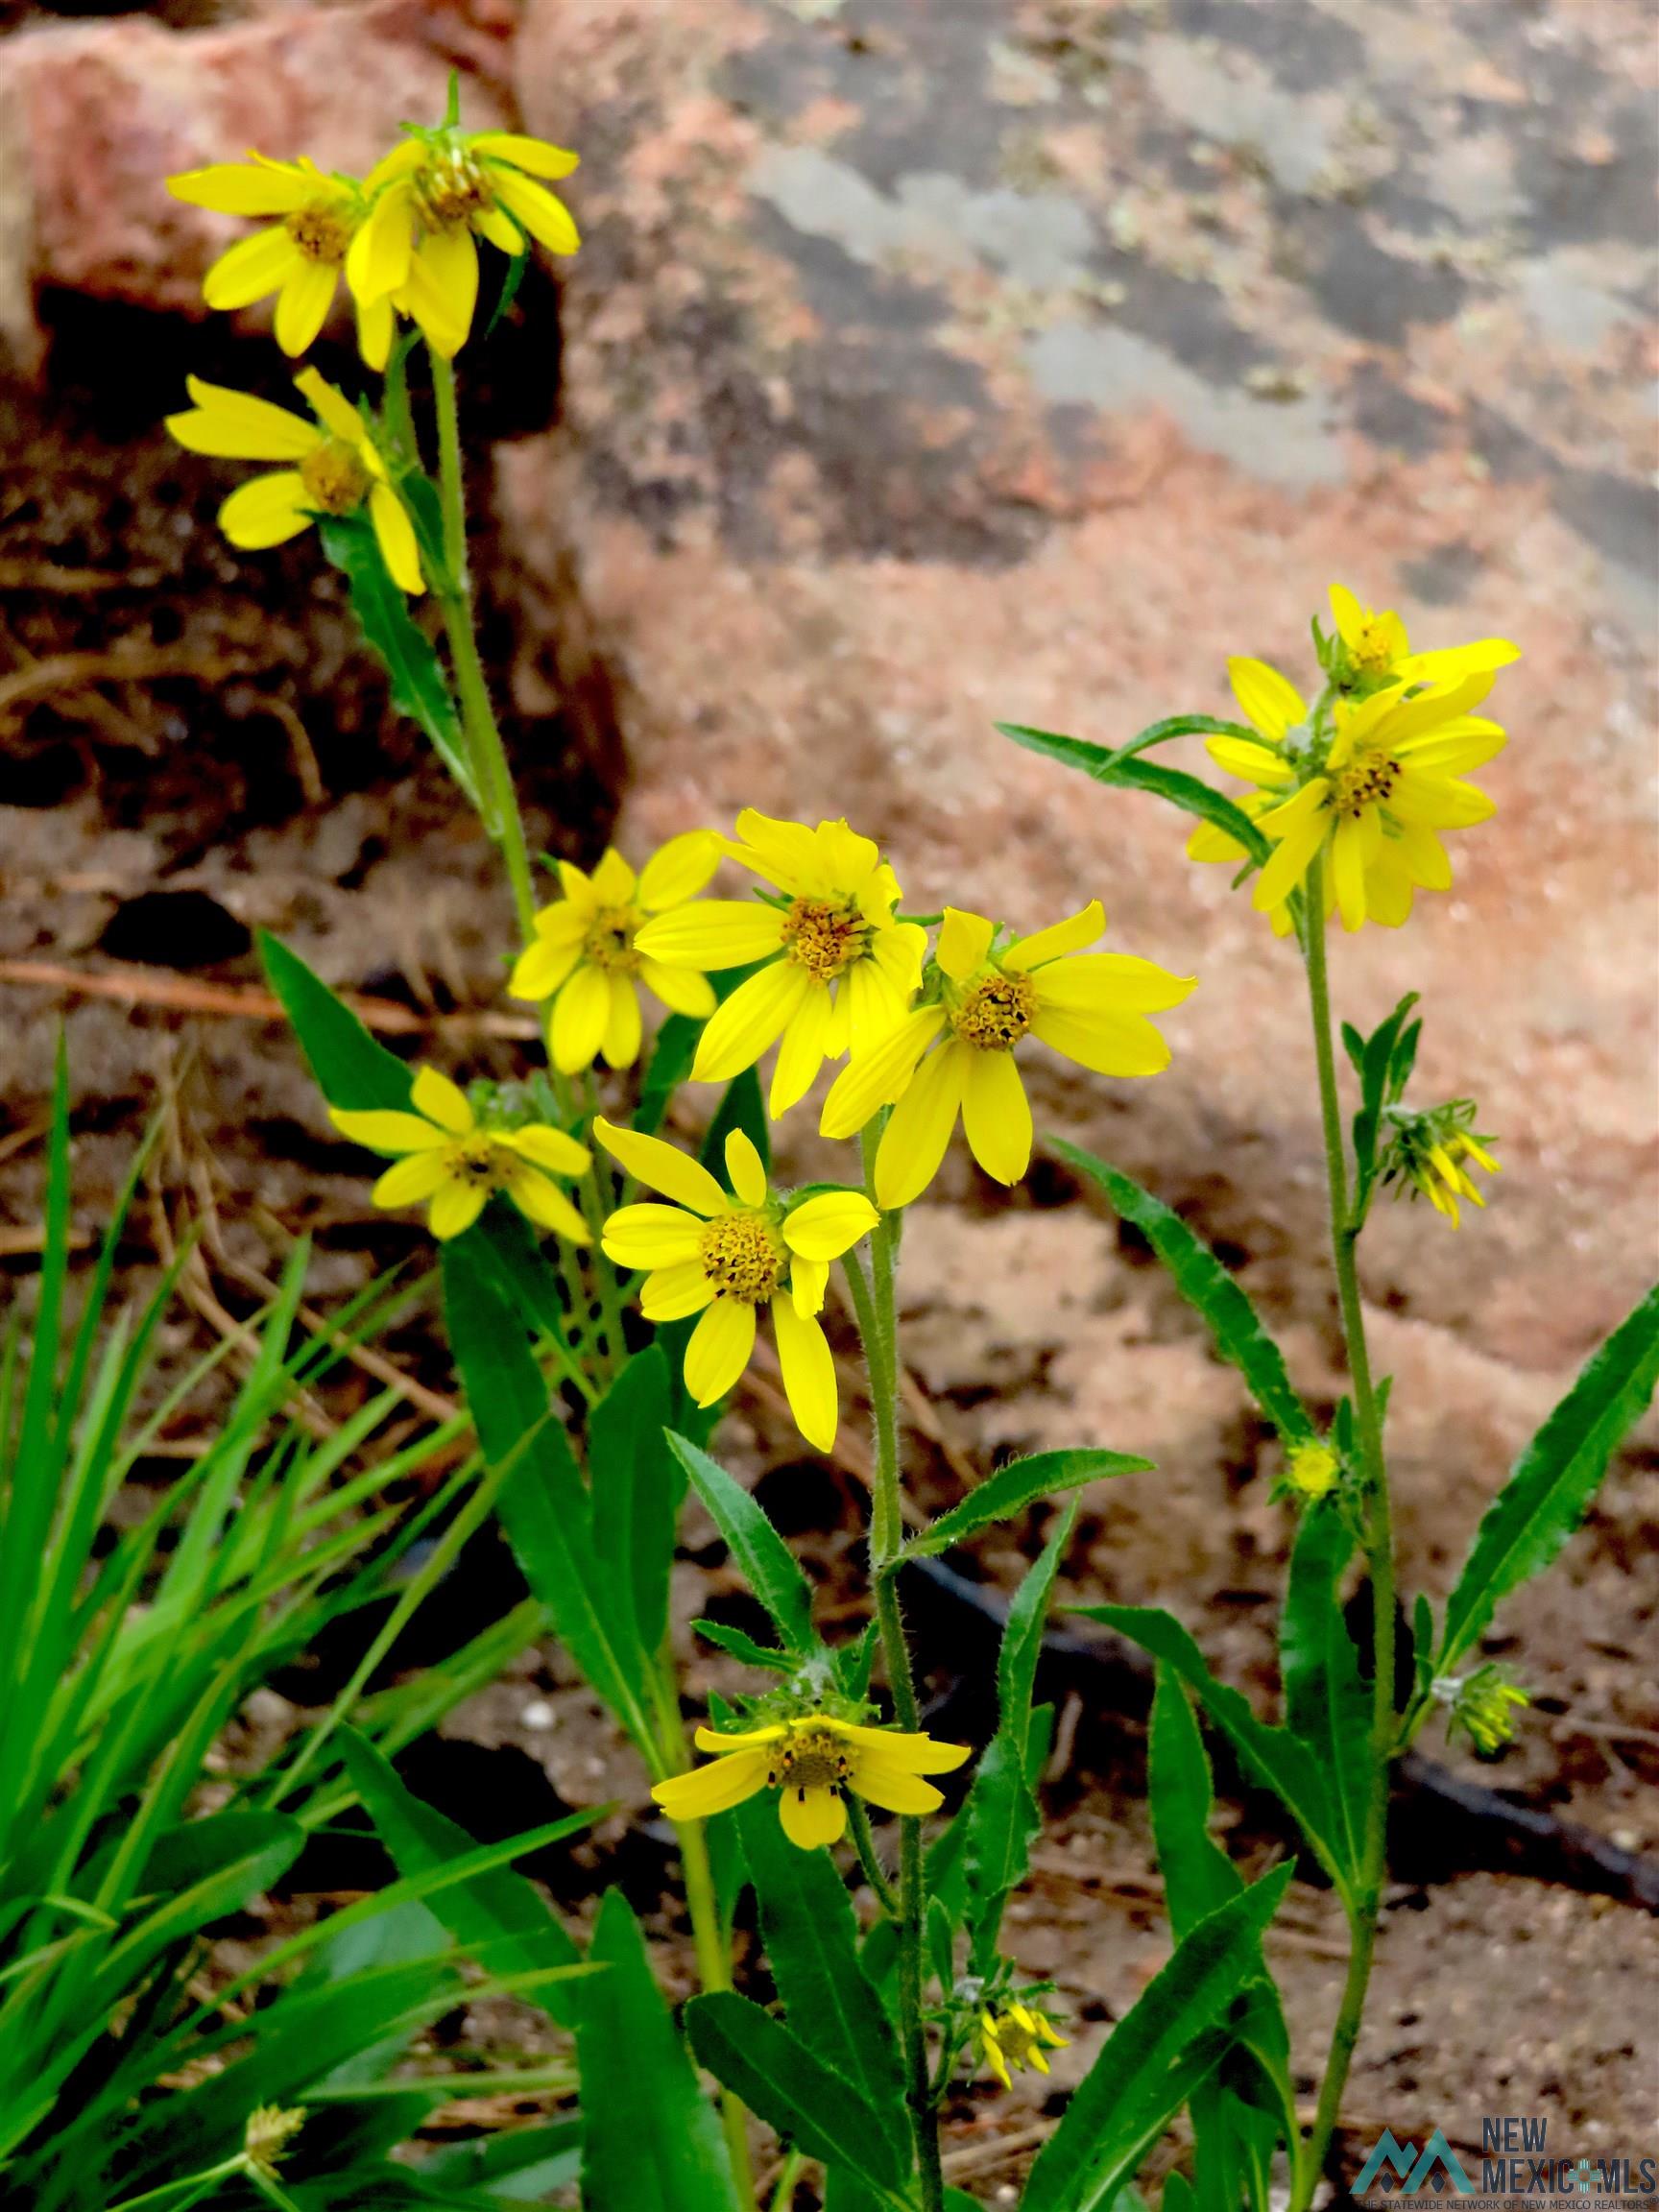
{"x": 499, "y": 801}
{"x": 864, "y": 1844}
{"x": 1379, "y": 1544}
{"x": 878, "y": 1315}
{"x": 714, "y": 1972}
{"x": 788, "y": 2174}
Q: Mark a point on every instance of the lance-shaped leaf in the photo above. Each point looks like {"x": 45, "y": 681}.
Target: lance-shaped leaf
{"x": 418, "y": 686}
{"x": 1153, "y": 2058}
{"x": 1191, "y": 793}
{"x": 352, "y": 1070}
{"x": 1326, "y": 1702}
{"x": 1206, "y": 1285}
{"x": 1014, "y": 1486}
{"x": 650, "y": 2140}
{"x": 1554, "y": 1478}
{"x": 769, "y": 1567}
{"x": 636, "y": 1484}
{"x": 812, "y": 1939}
{"x": 1271, "y": 1756}
{"x": 810, "y": 2104}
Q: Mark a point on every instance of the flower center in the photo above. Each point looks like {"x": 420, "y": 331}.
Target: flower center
{"x": 451, "y": 189}
{"x": 477, "y": 1161}
{"x": 824, "y": 938}
{"x": 1374, "y": 654}
{"x": 334, "y": 478}
{"x": 743, "y": 1256}
{"x": 1364, "y": 784}
{"x": 809, "y": 1759}
{"x": 610, "y": 939}
{"x": 320, "y": 231}
{"x": 1017, "y": 2041}
{"x": 994, "y": 1013}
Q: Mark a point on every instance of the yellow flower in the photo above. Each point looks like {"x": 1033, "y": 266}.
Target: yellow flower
{"x": 1375, "y": 649}
{"x": 299, "y": 257}
{"x": 1483, "y": 1704}
{"x": 431, "y": 199}
{"x": 1430, "y": 1158}
{"x": 811, "y": 1763}
{"x": 584, "y": 957}
{"x": 1019, "y": 2035}
{"x": 269, "y": 2136}
{"x": 1092, "y": 1007}
{"x": 721, "y": 1257}
{"x": 1275, "y": 707}
{"x": 1311, "y": 1470}
{"x": 443, "y": 1154}
{"x": 839, "y": 970}
{"x": 1389, "y": 781}
{"x": 334, "y": 469}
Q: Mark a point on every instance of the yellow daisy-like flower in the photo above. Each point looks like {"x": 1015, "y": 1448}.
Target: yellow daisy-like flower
{"x": 811, "y": 1764}
{"x": 334, "y": 469}
{"x": 955, "y": 1054}
{"x": 301, "y": 256}
{"x": 722, "y": 1256}
{"x": 444, "y": 1155}
{"x": 1375, "y": 649}
{"x": 1273, "y": 706}
{"x": 431, "y": 199}
{"x": 585, "y": 960}
{"x": 839, "y": 971}
{"x": 1378, "y": 794}
{"x": 1311, "y": 1470}
{"x": 1012, "y": 2034}
{"x": 1439, "y": 1173}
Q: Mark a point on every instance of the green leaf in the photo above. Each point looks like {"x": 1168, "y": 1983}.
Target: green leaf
{"x": 650, "y": 2140}
{"x": 513, "y": 275}
{"x": 812, "y": 1939}
{"x": 497, "y": 1917}
{"x": 1013, "y": 1488}
{"x": 737, "y": 1646}
{"x": 1554, "y": 1478}
{"x": 810, "y": 2104}
{"x": 638, "y": 1485}
{"x": 769, "y": 1567}
{"x": 1373, "y": 1058}
{"x": 1326, "y": 1704}
{"x": 1189, "y": 793}
{"x": 1272, "y": 1756}
{"x": 1143, "y": 2073}
{"x": 1199, "y": 1876}
{"x": 418, "y": 686}
{"x": 670, "y": 1062}
{"x": 542, "y": 1504}
{"x": 352, "y": 1072}
{"x": 1206, "y": 1285}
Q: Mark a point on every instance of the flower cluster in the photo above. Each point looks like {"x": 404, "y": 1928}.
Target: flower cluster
{"x": 1483, "y": 1705}
{"x": 1425, "y": 1153}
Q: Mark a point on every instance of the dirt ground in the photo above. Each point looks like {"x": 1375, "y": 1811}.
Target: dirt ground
{"x": 192, "y": 748}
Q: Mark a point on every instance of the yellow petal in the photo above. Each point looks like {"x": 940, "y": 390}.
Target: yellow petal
{"x": 713, "y": 1788}
{"x": 454, "y": 1208}
{"x": 1060, "y": 938}
{"x": 892, "y": 1789}
{"x": 379, "y": 259}
{"x": 1113, "y": 982}
{"x": 548, "y": 1147}
{"x": 679, "y": 869}
{"x": 649, "y": 1235}
{"x": 873, "y": 1005}
{"x": 808, "y": 1280}
{"x": 303, "y": 304}
{"x": 964, "y": 940}
{"x": 230, "y": 188}
{"x": 811, "y": 1818}
{"x": 267, "y": 512}
{"x": 1271, "y": 702}
{"x": 385, "y": 1130}
{"x": 410, "y": 1182}
{"x": 808, "y": 1373}
{"x": 742, "y": 1027}
{"x": 236, "y": 426}
{"x": 331, "y": 407}
{"x": 745, "y": 1169}
{"x": 649, "y": 1160}
{"x": 1348, "y": 872}
{"x": 719, "y": 1349}
{"x": 715, "y": 933}
{"x": 1256, "y": 763}
{"x": 681, "y": 990}
{"x": 541, "y": 969}
{"x": 827, "y": 1224}
{"x": 1439, "y": 803}
{"x": 543, "y": 1203}
{"x": 442, "y": 288}
{"x": 913, "y": 1749}
{"x": 724, "y": 1741}
{"x": 394, "y": 534}
{"x": 251, "y": 269}
{"x": 404, "y": 158}
{"x": 785, "y": 852}
{"x": 498, "y": 226}
{"x": 997, "y": 1115}
{"x": 546, "y": 218}
{"x": 535, "y": 156}
{"x": 1349, "y": 614}
{"x": 374, "y": 325}
{"x": 620, "y": 1042}
{"x": 1110, "y": 1044}
{"x": 914, "y": 1140}
{"x": 675, "y": 1294}
{"x": 807, "y": 1041}
{"x": 612, "y": 880}
{"x": 580, "y": 1015}
{"x": 873, "y": 1081}
{"x": 433, "y": 1094}
{"x": 1452, "y": 661}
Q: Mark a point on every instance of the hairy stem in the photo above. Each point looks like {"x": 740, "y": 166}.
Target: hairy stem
{"x": 1379, "y": 1543}
{"x": 714, "y": 1972}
